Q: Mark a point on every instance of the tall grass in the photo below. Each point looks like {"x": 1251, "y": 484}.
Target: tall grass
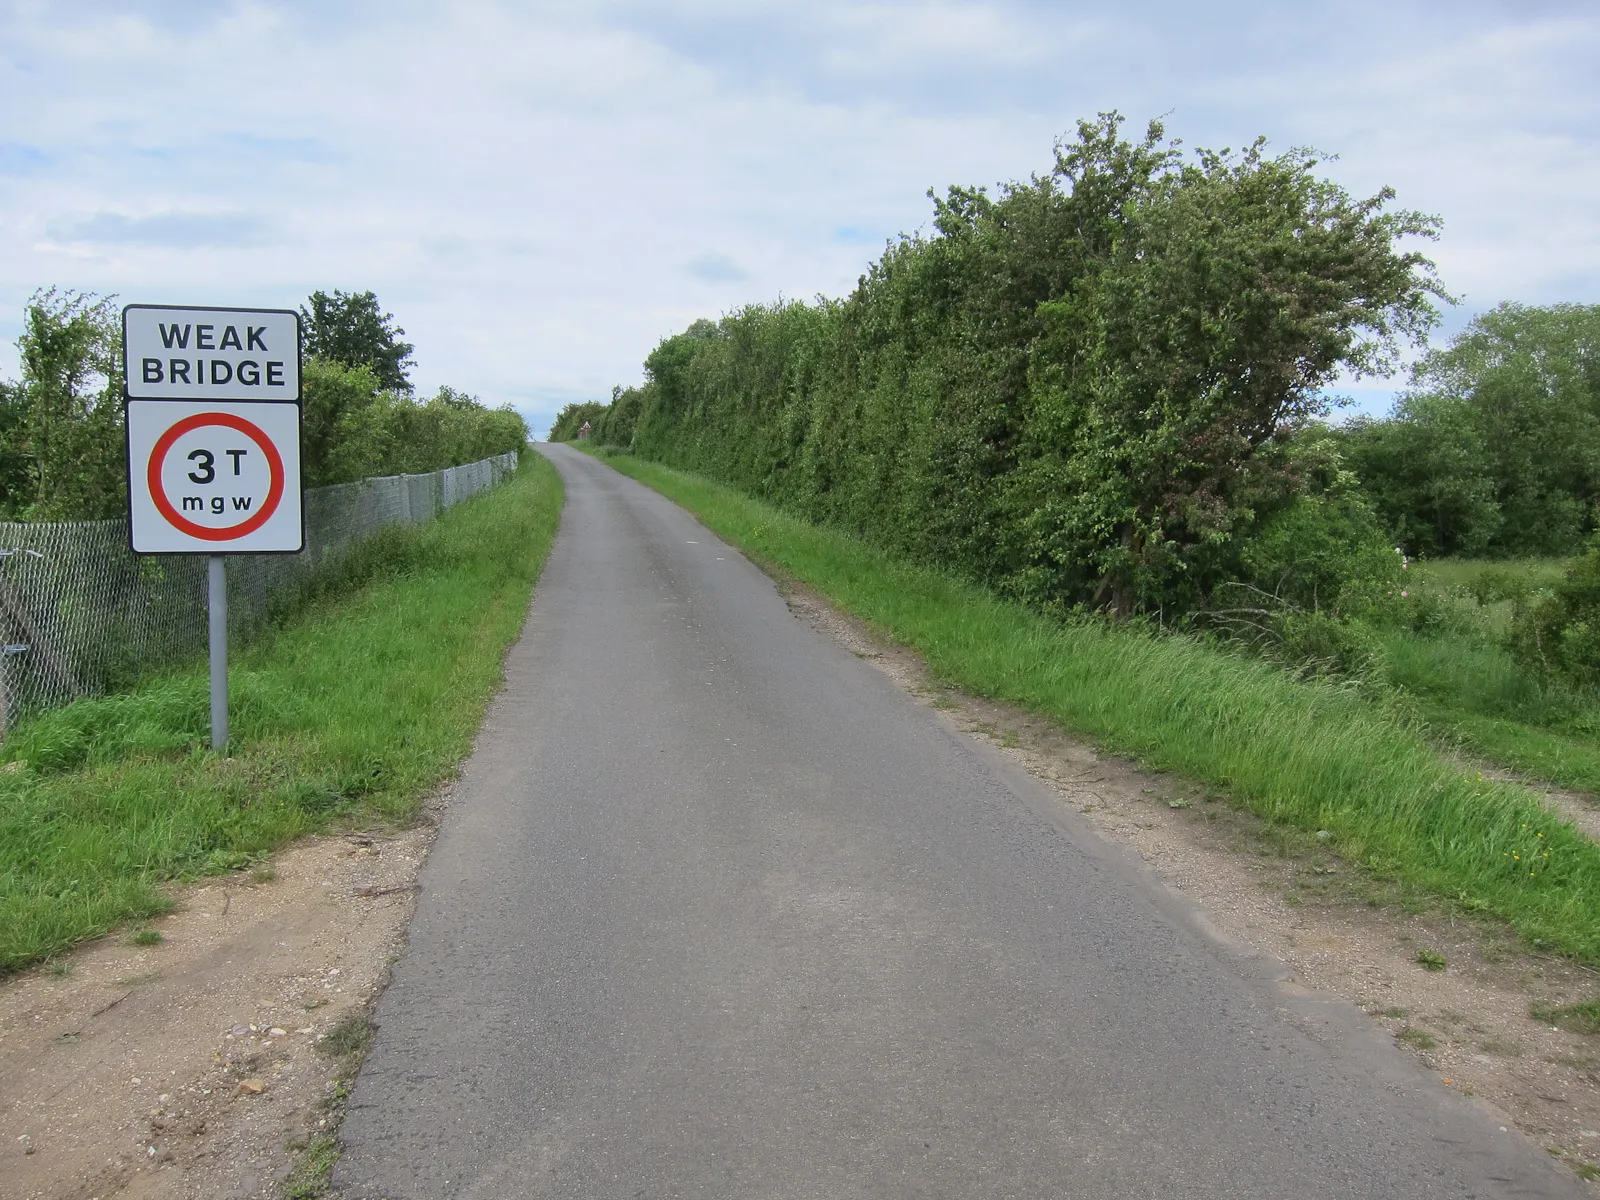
{"x": 1470, "y": 687}
{"x": 1493, "y": 707}
{"x": 1313, "y": 756}
{"x": 369, "y": 696}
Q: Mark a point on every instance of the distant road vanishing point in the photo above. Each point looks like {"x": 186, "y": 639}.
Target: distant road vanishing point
{"x": 717, "y": 911}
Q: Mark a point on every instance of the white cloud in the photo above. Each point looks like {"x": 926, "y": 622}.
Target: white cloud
{"x": 539, "y": 193}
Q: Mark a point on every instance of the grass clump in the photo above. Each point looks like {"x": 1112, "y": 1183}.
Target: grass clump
{"x": 1431, "y": 960}
{"x": 364, "y": 698}
{"x": 311, "y": 1175}
{"x": 1417, "y": 1039}
{"x": 349, "y": 1037}
{"x": 347, "y": 1043}
{"x": 1310, "y": 755}
{"x": 1577, "y": 1018}
{"x": 147, "y": 937}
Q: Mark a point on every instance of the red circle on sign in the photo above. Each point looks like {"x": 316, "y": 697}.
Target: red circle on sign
{"x": 221, "y": 533}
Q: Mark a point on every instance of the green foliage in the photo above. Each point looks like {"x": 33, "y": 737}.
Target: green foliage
{"x": 620, "y": 418}
{"x": 1309, "y": 644}
{"x": 349, "y": 1038}
{"x": 1579, "y": 1018}
{"x": 1497, "y": 448}
{"x": 350, "y": 329}
{"x": 61, "y": 453}
{"x": 1561, "y": 632}
{"x": 16, "y": 483}
{"x": 357, "y": 706}
{"x": 1324, "y": 548}
{"x": 1083, "y": 390}
{"x": 353, "y": 429}
{"x": 309, "y": 1178}
{"x": 573, "y": 417}
{"x": 1446, "y": 657}
{"x": 334, "y": 403}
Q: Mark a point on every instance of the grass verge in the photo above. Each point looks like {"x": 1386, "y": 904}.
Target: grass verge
{"x": 1312, "y": 756}
{"x": 370, "y": 696}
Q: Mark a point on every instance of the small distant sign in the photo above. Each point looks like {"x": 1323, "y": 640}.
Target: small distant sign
{"x": 173, "y": 352}
{"x": 206, "y": 480}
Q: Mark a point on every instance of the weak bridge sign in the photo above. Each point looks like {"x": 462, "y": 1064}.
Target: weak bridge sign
{"x": 213, "y": 426}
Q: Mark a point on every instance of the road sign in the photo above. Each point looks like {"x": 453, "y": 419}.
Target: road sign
{"x": 214, "y": 478}
{"x": 171, "y": 352}
{"x": 213, "y": 427}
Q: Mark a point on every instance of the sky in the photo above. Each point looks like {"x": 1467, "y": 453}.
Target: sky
{"x": 541, "y": 192}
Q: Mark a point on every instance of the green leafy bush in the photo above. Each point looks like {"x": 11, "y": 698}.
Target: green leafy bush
{"x": 1323, "y": 550}
{"x": 62, "y": 457}
{"x": 354, "y": 429}
{"x": 1310, "y": 644}
{"x": 1561, "y": 632}
{"x": 619, "y": 420}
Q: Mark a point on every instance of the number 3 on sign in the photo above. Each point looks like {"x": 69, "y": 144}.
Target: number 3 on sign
{"x": 214, "y": 478}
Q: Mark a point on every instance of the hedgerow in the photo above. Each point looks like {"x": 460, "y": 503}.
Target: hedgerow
{"x": 1086, "y": 390}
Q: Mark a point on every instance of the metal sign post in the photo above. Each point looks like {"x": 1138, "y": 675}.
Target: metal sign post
{"x": 212, "y": 406}
{"x": 217, "y": 606}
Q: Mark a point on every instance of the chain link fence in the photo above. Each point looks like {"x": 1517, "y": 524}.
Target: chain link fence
{"x": 81, "y": 614}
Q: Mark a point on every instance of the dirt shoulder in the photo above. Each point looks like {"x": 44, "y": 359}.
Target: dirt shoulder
{"x": 1334, "y": 928}
{"x": 199, "y": 1067}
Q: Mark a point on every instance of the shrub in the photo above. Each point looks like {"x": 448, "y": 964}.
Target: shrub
{"x": 355, "y": 430}
{"x": 1561, "y": 632}
{"x": 1324, "y": 550}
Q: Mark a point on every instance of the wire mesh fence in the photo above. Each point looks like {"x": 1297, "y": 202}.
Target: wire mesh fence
{"x": 81, "y": 614}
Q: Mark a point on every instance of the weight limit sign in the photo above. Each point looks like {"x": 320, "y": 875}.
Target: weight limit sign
{"x": 210, "y": 478}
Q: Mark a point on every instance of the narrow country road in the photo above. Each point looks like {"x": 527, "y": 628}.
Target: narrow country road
{"x": 718, "y": 912}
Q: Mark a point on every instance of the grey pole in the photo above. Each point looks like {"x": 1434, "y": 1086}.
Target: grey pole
{"x": 217, "y": 581}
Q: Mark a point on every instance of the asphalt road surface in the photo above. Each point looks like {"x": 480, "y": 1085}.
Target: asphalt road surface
{"x": 718, "y": 912}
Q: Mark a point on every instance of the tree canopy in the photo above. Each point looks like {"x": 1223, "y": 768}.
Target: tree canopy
{"x": 62, "y": 453}
{"x": 350, "y": 328}
{"x": 1496, "y": 446}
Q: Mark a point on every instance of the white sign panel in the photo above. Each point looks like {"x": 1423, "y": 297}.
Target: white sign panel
{"x": 206, "y": 478}
{"x": 210, "y": 353}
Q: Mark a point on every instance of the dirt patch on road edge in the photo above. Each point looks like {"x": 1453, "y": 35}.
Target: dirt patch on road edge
{"x": 1453, "y": 990}
{"x": 201, "y": 1067}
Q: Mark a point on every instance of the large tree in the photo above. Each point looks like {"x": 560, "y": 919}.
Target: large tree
{"x": 1496, "y": 447}
{"x": 351, "y": 329}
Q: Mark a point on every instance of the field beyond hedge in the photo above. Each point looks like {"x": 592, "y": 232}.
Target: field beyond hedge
{"x": 1456, "y": 669}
